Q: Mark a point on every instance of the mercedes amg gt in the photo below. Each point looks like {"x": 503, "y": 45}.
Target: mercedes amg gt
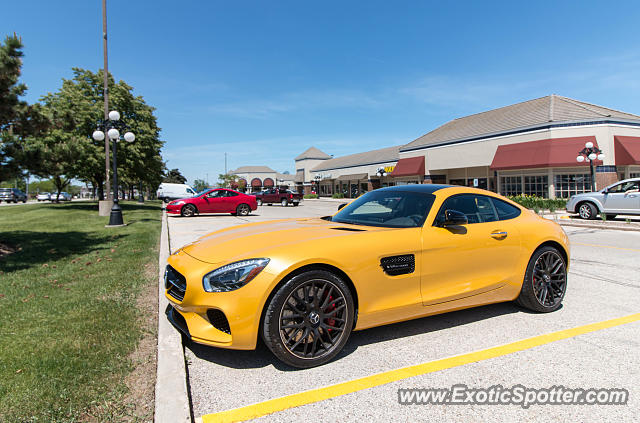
{"x": 393, "y": 254}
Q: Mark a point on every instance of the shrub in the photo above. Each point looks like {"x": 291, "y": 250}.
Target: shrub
{"x": 338, "y": 195}
{"x": 310, "y": 196}
{"x": 532, "y": 202}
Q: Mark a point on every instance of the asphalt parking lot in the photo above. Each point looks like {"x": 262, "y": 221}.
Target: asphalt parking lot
{"x": 604, "y": 283}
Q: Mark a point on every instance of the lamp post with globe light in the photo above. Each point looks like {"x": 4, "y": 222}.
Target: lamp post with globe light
{"x": 112, "y": 126}
{"x": 591, "y": 153}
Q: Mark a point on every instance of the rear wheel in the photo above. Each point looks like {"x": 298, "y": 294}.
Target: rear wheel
{"x": 295, "y": 203}
{"x": 545, "y": 281}
{"x": 243, "y": 210}
{"x": 587, "y": 211}
{"x": 309, "y": 319}
{"x": 188, "y": 210}
{"x": 284, "y": 202}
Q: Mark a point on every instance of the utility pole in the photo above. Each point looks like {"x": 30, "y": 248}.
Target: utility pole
{"x": 225, "y": 163}
{"x": 106, "y": 99}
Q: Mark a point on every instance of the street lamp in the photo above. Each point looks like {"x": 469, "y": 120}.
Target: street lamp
{"x": 381, "y": 172}
{"x": 591, "y": 153}
{"x": 112, "y": 126}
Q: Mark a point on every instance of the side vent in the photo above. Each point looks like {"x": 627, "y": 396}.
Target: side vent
{"x": 347, "y": 229}
{"x": 398, "y": 265}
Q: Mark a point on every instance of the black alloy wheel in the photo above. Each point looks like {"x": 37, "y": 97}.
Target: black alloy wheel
{"x": 243, "y": 210}
{"x": 284, "y": 202}
{"x": 309, "y": 319}
{"x": 545, "y": 281}
{"x": 188, "y": 210}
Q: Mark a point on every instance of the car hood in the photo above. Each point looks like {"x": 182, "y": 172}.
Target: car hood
{"x": 258, "y": 239}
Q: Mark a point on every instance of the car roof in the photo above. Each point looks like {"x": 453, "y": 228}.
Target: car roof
{"x": 423, "y": 188}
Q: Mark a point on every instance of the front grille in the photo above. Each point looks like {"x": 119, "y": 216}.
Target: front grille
{"x": 398, "y": 265}
{"x": 218, "y": 320}
{"x": 175, "y": 283}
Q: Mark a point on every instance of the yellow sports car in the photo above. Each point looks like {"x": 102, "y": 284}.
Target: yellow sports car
{"x": 393, "y": 254}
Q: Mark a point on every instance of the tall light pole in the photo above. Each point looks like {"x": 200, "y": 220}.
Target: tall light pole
{"x": 106, "y": 98}
{"x": 591, "y": 153}
{"x": 112, "y": 126}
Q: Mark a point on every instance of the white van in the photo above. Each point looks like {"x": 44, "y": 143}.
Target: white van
{"x": 168, "y": 192}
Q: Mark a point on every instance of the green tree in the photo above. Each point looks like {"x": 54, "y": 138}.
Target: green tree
{"x": 200, "y": 185}
{"x": 227, "y": 180}
{"x": 174, "y": 177}
{"x": 78, "y": 107}
{"x": 17, "y": 118}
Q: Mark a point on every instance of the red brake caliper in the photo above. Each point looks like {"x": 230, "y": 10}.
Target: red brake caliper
{"x": 331, "y": 321}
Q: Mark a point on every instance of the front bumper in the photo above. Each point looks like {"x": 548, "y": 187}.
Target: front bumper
{"x": 174, "y": 208}
{"x": 220, "y": 319}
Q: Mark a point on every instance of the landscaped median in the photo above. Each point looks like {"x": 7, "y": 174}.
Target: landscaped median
{"x": 79, "y": 307}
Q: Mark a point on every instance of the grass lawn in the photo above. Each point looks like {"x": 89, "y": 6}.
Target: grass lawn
{"x": 78, "y": 304}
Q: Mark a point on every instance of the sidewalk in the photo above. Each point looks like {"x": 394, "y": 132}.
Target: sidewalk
{"x": 620, "y": 223}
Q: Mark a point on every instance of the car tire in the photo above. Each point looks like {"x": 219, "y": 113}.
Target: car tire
{"x": 259, "y": 202}
{"x": 545, "y": 281}
{"x": 610, "y": 216}
{"x": 295, "y": 204}
{"x": 284, "y": 202}
{"x": 319, "y": 324}
{"x": 166, "y": 199}
{"x": 188, "y": 210}
{"x": 587, "y": 211}
{"x": 243, "y": 210}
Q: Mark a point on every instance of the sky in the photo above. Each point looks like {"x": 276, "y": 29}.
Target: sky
{"x": 264, "y": 80}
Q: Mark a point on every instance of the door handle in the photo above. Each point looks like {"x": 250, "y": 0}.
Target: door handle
{"x": 499, "y": 235}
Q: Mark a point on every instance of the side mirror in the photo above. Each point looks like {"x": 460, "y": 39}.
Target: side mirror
{"x": 341, "y": 206}
{"x": 454, "y": 218}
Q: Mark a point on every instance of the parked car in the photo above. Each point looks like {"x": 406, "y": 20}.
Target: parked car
{"x": 167, "y": 191}
{"x": 214, "y": 201}
{"x": 278, "y": 195}
{"x": 12, "y": 195}
{"x": 64, "y": 196}
{"x": 393, "y": 254}
{"x": 620, "y": 198}
{"x": 44, "y": 196}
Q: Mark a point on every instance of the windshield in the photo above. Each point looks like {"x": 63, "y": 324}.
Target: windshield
{"x": 393, "y": 209}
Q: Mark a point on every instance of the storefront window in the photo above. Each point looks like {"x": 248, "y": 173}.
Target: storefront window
{"x": 457, "y": 182}
{"x": 511, "y": 185}
{"x": 537, "y": 186}
{"x": 568, "y": 185}
{"x": 477, "y": 183}
{"x": 634, "y": 175}
{"x": 363, "y": 187}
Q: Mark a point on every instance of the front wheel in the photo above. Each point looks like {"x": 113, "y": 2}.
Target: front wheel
{"x": 309, "y": 319}
{"x": 243, "y": 210}
{"x": 188, "y": 211}
{"x": 545, "y": 281}
{"x": 587, "y": 211}
{"x": 259, "y": 201}
{"x": 284, "y": 202}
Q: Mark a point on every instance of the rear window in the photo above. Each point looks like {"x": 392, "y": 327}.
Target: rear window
{"x": 505, "y": 210}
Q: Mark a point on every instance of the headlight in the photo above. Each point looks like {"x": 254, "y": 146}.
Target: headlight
{"x": 177, "y": 203}
{"x": 234, "y": 275}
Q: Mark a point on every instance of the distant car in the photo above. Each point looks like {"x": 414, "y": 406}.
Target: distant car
{"x": 64, "y": 196}
{"x": 278, "y": 195}
{"x": 44, "y": 196}
{"x": 12, "y": 195}
{"x": 214, "y": 201}
{"x": 167, "y": 191}
{"x": 620, "y": 198}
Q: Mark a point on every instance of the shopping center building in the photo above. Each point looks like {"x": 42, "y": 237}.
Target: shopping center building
{"x": 257, "y": 178}
{"x": 525, "y": 148}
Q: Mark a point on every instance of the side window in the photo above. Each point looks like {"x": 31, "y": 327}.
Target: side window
{"x": 477, "y": 208}
{"x": 190, "y": 191}
{"x": 505, "y": 210}
{"x": 214, "y": 194}
{"x": 231, "y": 193}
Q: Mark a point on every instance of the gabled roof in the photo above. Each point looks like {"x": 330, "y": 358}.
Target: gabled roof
{"x": 383, "y": 155}
{"x": 313, "y": 153}
{"x": 532, "y": 113}
{"x": 252, "y": 169}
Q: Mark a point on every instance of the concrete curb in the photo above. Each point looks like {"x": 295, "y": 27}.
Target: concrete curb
{"x": 596, "y": 226}
{"x": 171, "y": 399}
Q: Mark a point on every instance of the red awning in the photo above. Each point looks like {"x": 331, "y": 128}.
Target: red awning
{"x": 256, "y": 182}
{"x": 410, "y": 166}
{"x": 553, "y": 152}
{"x": 627, "y": 150}
{"x": 268, "y": 182}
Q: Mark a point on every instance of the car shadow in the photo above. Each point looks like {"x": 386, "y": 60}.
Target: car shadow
{"x": 262, "y": 357}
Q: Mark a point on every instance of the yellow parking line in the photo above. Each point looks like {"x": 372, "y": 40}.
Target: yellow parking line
{"x": 605, "y": 246}
{"x": 332, "y": 391}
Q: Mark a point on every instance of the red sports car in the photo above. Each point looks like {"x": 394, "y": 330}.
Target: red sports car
{"x": 214, "y": 201}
